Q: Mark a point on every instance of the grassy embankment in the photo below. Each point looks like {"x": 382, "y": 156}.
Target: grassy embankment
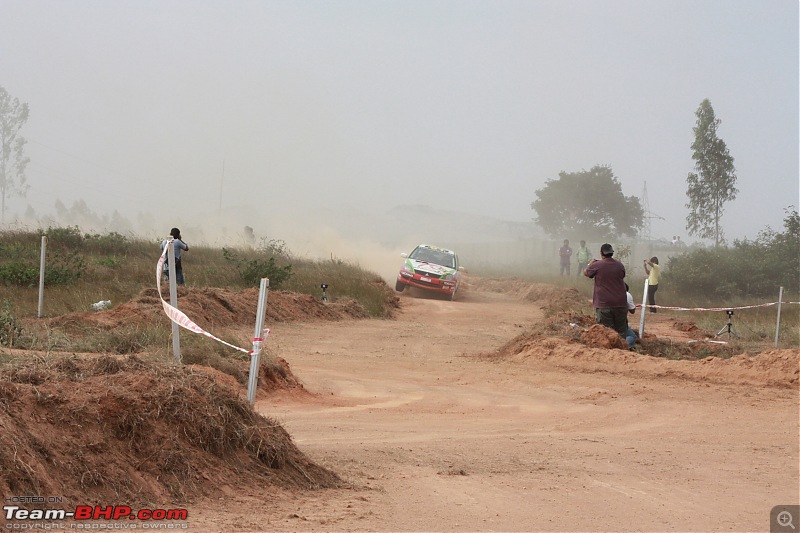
{"x": 83, "y": 269}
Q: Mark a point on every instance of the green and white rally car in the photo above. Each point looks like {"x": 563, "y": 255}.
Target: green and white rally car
{"x": 432, "y": 269}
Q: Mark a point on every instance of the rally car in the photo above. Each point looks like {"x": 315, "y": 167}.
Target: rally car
{"x": 431, "y": 269}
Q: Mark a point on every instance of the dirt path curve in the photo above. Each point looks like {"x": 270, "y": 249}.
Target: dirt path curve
{"x": 433, "y": 438}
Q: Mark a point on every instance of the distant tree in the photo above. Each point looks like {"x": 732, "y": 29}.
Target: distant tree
{"x": 119, "y": 223}
{"x": 714, "y": 182}
{"x": 587, "y": 205}
{"x": 13, "y": 115}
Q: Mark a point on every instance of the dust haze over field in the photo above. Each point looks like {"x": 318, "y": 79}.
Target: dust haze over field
{"x": 322, "y": 123}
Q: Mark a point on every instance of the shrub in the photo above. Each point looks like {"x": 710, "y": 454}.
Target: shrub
{"x": 748, "y": 268}
{"x": 19, "y": 273}
{"x": 62, "y": 269}
{"x": 10, "y": 328}
{"x": 69, "y": 238}
{"x": 112, "y": 262}
{"x": 252, "y": 270}
{"x": 109, "y": 243}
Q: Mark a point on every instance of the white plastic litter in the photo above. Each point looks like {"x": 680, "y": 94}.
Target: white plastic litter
{"x": 102, "y": 304}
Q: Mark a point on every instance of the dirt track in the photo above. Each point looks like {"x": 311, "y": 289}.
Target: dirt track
{"x": 433, "y": 438}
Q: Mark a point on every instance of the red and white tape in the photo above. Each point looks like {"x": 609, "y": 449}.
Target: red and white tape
{"x": 184, "y": 321}
{"x": 712, "y": 308}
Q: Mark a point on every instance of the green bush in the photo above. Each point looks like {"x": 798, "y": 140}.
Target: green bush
{"x": 111, "y": 262}
{"x": 63, "y": 269}
{"x": 64, "y": 264}
{"x": 252, "y": 270}
{"x": 748, "y": 268}
{"x": 14, "y": 249}
{"x": 10, "y": 328}
{"x": 69, "y": 238}
{"x": 109, "y": 243}
{"x": 19, "y": 273}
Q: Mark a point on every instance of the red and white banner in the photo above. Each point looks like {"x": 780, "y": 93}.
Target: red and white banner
{"x": 180, "y": 318}
{"x": 712, "y": 308}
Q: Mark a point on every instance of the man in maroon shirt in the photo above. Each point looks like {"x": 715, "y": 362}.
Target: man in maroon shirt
{"x": 609, "y": 299}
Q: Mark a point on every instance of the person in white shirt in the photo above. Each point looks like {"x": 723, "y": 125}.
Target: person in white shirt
{"x": 630, "y": 336}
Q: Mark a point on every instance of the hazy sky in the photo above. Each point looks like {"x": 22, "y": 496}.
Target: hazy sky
{"x": 365, "y": 105}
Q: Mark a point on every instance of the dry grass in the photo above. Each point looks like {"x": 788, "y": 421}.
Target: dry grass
{"x": 118, "y": 269}
{"x": 128, "y": 428}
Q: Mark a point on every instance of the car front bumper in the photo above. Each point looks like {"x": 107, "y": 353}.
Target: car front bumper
{"x": 429, "y": 283}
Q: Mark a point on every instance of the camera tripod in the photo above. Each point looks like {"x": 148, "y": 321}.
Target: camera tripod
{"x": 727, "y": 327}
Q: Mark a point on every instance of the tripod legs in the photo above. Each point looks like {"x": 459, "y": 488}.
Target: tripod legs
{"x": 729, "y": 328}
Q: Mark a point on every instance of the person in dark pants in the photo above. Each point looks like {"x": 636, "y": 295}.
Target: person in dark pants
{"x": 653, "y": 272}
{"x": 583, "y": 256}
{"x": 178, "y": 244}
{"x": 609, "y": 297}
{"x": 565, "y": 256}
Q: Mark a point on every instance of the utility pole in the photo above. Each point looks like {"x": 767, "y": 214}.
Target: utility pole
{"x": 221, "y": 179}
{"x": 648, "y": 215}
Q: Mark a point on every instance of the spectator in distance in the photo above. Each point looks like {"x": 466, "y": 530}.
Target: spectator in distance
{"x": 178, "y": 245}
{"x": 565, "y": 253}
{"x": 653, "y": 272}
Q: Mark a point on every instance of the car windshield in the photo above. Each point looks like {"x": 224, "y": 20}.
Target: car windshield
{"x": 437, "y": 257}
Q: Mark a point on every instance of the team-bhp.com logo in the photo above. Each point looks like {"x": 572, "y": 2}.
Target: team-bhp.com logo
{"x": 86, "y": 517}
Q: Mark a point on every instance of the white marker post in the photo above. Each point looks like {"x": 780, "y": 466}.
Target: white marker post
{"x": 41, "y": 276}
{"x": 252, "y": 382}
{"x": 644, "y": 301}
{"x": 778, "y": 325}
{"x": 173, "y": 301}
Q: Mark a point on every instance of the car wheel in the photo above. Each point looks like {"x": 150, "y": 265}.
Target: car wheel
{"x": 453, "y": 295}
{"x": 399, "y": 287}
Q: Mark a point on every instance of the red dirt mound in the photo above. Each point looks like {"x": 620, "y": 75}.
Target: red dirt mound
{"x": 569, "y": 338}
{"x": 274, "y": 374}
{"x": 777, "y": 368}
{"x": 600, "y": 336}
{"x": 214, "y": 307}
{"x": 119, "y": 429}
{"x": 690, "y": 329}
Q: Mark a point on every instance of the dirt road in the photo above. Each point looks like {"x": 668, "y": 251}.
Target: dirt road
{"x": 434, "y": 438}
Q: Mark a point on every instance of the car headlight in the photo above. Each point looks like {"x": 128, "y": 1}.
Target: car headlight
{"x": 448, "y": 276}
{"x": 407, "y": 268}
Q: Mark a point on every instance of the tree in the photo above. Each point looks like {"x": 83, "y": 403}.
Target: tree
{"x": 587, "y": 205}
{"x": 715, "y": 180}
{"x": 13, "y": 115}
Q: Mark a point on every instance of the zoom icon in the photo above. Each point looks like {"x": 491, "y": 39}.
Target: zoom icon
{"x": 783, "y": 518}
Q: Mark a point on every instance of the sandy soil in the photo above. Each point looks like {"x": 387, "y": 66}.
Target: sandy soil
{"x": 435, "y": 430}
